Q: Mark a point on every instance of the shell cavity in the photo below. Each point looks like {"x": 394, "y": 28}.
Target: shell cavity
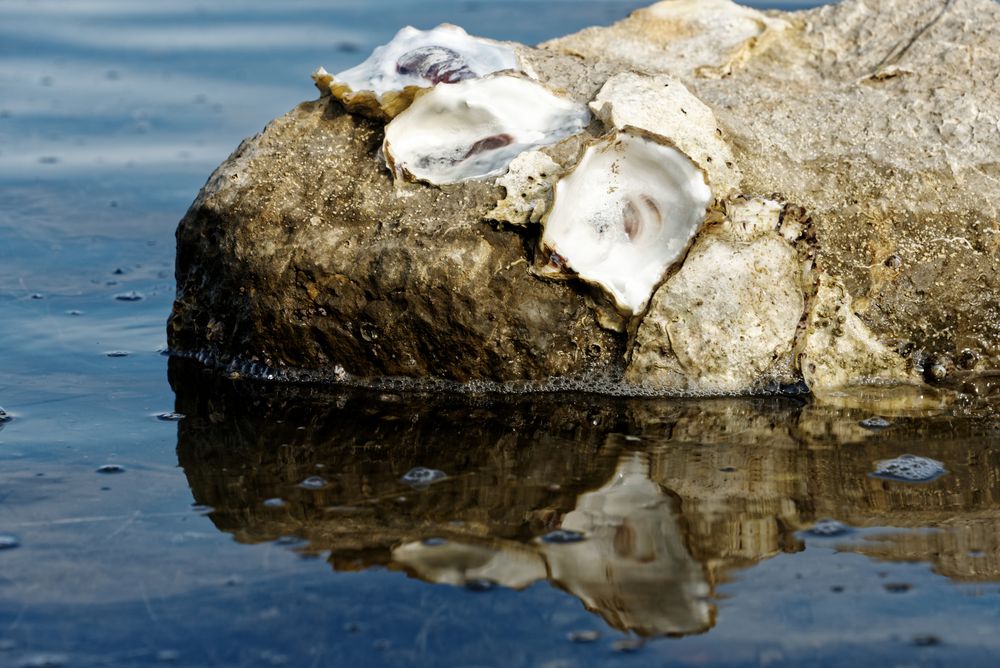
{"x": 475, "y": 128}
{"x": 387, "y": 81}
{"x": 625, "y": 215}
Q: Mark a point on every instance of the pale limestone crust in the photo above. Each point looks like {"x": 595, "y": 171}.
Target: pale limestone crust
{"x": 527, "y": 188}
{"x": 664, "y": 106}
{"x": 726, "y": 321}
{"x": 837, "y": 349}
{"x": 704, "y": 38}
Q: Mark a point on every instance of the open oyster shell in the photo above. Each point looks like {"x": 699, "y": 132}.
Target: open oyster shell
{"x": 624, "y": 215}
{"x": 387, "y": 81}
{"x": 475, "y": 128}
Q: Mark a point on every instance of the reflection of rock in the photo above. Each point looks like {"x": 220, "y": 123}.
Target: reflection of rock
{"x": 632, "y": 566}
{"x": 671, "y": 495}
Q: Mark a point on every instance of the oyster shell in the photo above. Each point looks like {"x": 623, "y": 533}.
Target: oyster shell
{"x": 475, "y": 128}
{"x": 624, "y": 215}
{"x": 387, "y": 81}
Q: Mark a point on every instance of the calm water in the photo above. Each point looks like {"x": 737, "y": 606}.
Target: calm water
{"x": 273, "y": 526}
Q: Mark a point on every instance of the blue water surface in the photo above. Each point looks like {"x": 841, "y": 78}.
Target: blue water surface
{"x": 205, "y": 550}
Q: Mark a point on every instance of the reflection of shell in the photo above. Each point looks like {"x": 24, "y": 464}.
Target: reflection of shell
{"x": 475, "y": 128}
{"x": 386, "y": 82}
{"x": 624, "y": 215}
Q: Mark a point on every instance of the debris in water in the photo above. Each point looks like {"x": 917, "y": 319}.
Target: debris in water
{"x": 5, "y": 416}
{"x": 111, "y": 468}
{"x": 130, "y": 296}
{"x": 897, "y": 587}
{"x": 170, "y": 417}
{"x": 420, "y": 476}
{"x": 117, "y": 353}
{"x": 909, "y": 468}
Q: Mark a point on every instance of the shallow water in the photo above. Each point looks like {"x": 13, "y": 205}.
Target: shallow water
{"x": 152, "y": 512}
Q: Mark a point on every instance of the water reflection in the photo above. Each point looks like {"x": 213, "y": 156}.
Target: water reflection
{"x": 670, "y": 497}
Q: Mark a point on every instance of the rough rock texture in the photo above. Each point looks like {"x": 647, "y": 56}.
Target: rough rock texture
{"x": 881, "y": 119}
{"x": 875, "y": 122}
{"x": 728, "y": 318}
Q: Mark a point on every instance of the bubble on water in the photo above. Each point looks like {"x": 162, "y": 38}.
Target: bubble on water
{"x": 875, "y": 422}
{"x": 433, "y": 541}
{"x": 130, "y": 296}
{"x": 480, "y": 584}
{"x": 44, "y": 661}
{"x": 909, "y": 468}
{"x": 9, "y": 541}
{"x": 170, "y": 417}
{"x": 420, "y": 476}
{"x": 117, "y": 353}
{"x": 584, "y": 636}
{"x": 111, "y": 468}
{"x": 313, "y": 482}
{"x": 829, "y": 529}
{"x": 274, "y": 503}
{"x": 560, "y": 536}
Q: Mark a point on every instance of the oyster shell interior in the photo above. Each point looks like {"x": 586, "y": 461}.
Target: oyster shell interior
{"x": 475, "y": 128}
{"x": 416, "y": 59}
{"x": 624, "y": 215}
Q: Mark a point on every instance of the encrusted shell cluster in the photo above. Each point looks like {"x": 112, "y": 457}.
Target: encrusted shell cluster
{"x": 619, "y": 216}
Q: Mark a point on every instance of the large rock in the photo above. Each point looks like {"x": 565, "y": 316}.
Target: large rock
{"x": 871, "y": 130}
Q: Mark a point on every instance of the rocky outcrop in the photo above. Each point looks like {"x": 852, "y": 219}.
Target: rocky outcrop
{"x": 869, "y": 130}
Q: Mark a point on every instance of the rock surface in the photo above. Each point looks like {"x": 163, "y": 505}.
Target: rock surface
{"x": 875, "y": 124}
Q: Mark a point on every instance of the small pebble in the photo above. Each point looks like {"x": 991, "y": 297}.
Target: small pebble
{"x": 897, "y": 587}
{"x": 420, "y": 476}
{"x": 560, "y": 536}
{"x": 130, "y": 296}
{"x": 111, "y": 468}
{"x": 170, "y": 417}
{"x": 875, "y": 422}
{"x": 313, "y": 482}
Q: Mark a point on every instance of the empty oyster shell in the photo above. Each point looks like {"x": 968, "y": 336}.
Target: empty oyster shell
{"x": 387, "y": 81}
{"x": 624, "y": 215}
{"x": 475, "y": 128}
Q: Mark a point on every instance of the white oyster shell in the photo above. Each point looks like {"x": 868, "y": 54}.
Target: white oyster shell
{"x": 475, "y": 128}
{"x": 624, "y": 215}
{"x": 388, "y": 79}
